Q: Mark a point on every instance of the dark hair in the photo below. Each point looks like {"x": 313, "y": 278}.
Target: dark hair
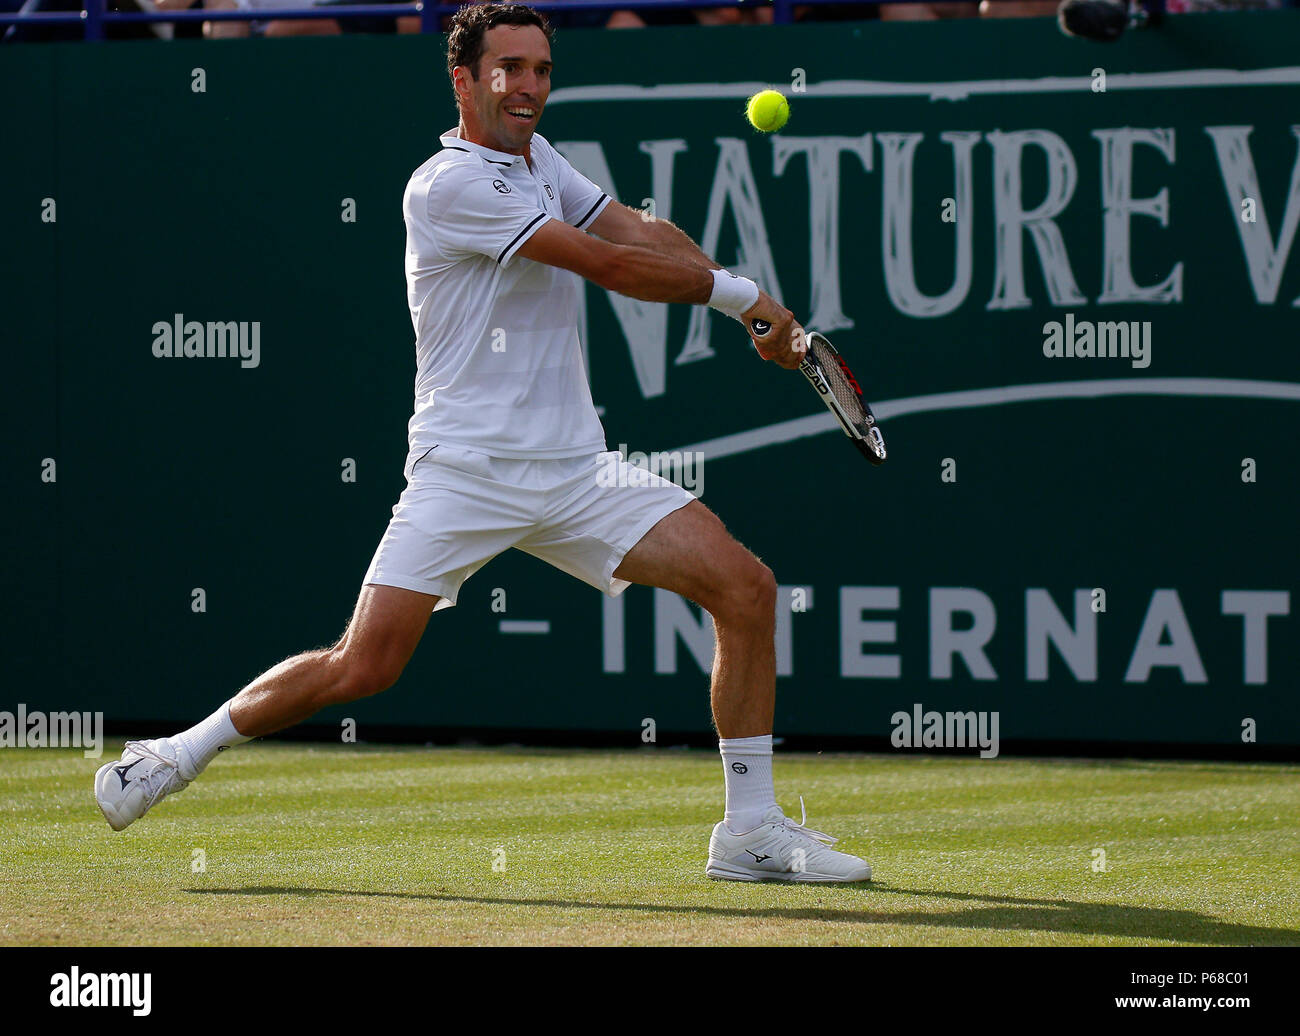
{"x": 465, "y": 44}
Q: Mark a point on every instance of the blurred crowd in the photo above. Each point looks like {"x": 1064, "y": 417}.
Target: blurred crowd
{"x": 575, "y": 15}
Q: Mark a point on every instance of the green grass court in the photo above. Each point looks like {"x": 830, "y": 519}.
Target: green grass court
{"x": 380, "y": 845}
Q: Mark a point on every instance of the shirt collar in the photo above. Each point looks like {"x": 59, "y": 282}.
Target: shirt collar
{"x": 452, "y": 139}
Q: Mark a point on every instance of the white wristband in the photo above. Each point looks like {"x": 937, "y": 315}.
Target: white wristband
{"x": 731, "y": 294}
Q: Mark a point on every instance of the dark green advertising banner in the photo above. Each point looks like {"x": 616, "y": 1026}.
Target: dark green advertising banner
{"x": 1064, "y": 272}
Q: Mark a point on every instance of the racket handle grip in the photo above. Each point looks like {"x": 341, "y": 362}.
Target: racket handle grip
{"x": 760, "y": 327}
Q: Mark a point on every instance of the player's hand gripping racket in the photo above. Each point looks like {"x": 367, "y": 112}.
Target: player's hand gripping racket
{"x": 827, "y": 372}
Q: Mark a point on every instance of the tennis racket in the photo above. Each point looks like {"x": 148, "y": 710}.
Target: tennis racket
{"x": 827, "y": 372}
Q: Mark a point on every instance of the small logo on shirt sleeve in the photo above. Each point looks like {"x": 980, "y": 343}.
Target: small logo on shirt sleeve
{"x": 548, "y": 191}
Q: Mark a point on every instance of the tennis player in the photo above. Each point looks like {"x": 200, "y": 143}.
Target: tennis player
{"x": 506, "y": 447}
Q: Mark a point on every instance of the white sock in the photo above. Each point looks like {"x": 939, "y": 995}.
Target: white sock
{"x": 204, "y": 740}
{"x": 747, "y": 767}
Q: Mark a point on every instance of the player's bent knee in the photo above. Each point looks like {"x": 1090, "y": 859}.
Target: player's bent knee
{"x": 363, "y": 678}
{"x": 751, "y": 600}
{"x": 764, "y": 590}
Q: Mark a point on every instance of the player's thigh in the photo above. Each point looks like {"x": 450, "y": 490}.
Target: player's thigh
{"x": 691, "y": 553}
{"x": 385, "y": 628}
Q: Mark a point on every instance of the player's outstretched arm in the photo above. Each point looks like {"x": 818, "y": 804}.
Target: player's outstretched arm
{"x": 632, "y": 270}
{"x": 642, "y": 273}
{"x": 626, "y": 226}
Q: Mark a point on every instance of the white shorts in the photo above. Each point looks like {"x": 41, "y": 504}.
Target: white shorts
{"x": 460, "y": 509}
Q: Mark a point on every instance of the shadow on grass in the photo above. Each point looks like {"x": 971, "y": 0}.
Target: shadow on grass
{"x": 993, "y": 913}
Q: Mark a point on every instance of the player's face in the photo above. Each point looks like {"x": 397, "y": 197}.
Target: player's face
{"x": 513, "y": 83}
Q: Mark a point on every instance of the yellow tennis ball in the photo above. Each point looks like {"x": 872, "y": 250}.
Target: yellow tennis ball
{"x": 767, "y": 111}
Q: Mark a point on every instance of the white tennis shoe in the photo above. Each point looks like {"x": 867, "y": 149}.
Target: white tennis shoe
{"x": 128, "y": 789}
{"x": 781, "y": 850}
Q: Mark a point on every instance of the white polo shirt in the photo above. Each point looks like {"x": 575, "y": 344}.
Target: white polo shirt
{"x": 498, "y": 362}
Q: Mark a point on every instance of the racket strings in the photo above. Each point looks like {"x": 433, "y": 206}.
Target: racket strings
{"x": 845, "y": 394}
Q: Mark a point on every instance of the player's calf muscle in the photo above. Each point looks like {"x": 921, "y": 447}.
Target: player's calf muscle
{"x": 299, "y": 687}
{"x": 385, "y": 628}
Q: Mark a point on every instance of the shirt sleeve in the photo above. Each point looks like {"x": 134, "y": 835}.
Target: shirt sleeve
{"x": 581, "y": 201}
{"x": 472, "y": 212}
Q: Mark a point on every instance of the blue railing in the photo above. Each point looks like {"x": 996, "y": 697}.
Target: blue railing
{"x": 95, "y": 16}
